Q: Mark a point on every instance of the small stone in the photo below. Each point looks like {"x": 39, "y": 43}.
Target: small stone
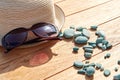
{"x": 107, "y": 72}
{"x": 81, "y": 71}
{"x": 116, "y": 69}
{"x": 86, "y": 33}
{"x": 87, "y": 46}
{"x": 90, "y": 71}
{"x": 118, "y": 62}
{"x": 87, "y": 62}
{"x": 102, "y": 69}
{"x": 103, "y": 47}
{"x": 75, "y": 49}
{"x": 78, "y": 64}
{"x": 88, "y": 50}
{"x": 72, "y": 27}
{"x": 93, "y": 27}
{"x": 81, "y": 40}
{"x": 79, "y": 28}
{"x": 116, "y": 77}
{"x": 108, "y": 55}
{"x": 98, "y": 66}
{"x": 100, "y": 34}
{"x": 105, "y": 42}
{"x": 99, "y": 40}
{"x": 92, "y": 64}
{"x": 87, "y": 55}
{"x": 109, "y": 46}
{"x": 60, "y": 34}
{"x": 68, "y": 33}
{"x": 93, "y": 44}
{"x": 77, "y": 33}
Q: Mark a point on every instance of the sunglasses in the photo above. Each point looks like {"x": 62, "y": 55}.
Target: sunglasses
{"x": 43, "y": 31}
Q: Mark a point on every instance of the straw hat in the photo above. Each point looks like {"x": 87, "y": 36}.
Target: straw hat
{"x": 25, "y": 13}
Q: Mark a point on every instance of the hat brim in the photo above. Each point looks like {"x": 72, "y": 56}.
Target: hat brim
{"x": 59, "y": 22}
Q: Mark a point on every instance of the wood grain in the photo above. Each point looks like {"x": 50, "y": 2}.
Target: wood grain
{"x": 110, "y": 64}
{"x": 71, "y": 6}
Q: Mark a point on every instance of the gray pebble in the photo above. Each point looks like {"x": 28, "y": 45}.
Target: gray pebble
{"x": 81, "y": 40}
{"x": 68, "y": 33}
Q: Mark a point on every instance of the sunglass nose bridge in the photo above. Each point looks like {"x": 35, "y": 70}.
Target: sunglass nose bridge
{"x": 30, "y": 36}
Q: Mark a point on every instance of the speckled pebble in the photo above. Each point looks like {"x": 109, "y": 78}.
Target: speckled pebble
{"x": 77, "y": 33}
{"x": 88, "y": 50}
{"x": 107, "y": 72}
{"x": 87, "y": 55}
{"x": 93, "y": 44}
{"x": 79, "y": 28}
{"x": 87, "y": 46}
{"x": 86, "y": 33}
{"x": 100, "y": 33}
{"x": 75, "y": 49}
{"x": 81, "y": 71}
{"x": 68, "y": 33}
{"x": 90, "y": 71}
{"x": 81, "y": 40}
{"x": 98, "y": 65}
{"x": 93, "y": 27}
{"x": 102, "y": 68}
{"x": 78, "y": 64}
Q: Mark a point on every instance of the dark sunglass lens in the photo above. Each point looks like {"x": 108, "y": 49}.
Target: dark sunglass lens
{"x": 14, "y": 38}
{"x": 44, "y": 29}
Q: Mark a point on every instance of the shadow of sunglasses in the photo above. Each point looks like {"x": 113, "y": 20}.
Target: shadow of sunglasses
{"x": 43, "y": 31}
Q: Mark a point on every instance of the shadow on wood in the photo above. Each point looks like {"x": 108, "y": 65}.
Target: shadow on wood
{"x": 28, "y": 57}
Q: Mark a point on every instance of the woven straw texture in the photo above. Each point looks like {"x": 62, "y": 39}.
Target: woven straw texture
{"x": 24, "y": 13}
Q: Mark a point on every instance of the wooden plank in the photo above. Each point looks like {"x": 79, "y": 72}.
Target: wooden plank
{"x": 95, "y": 15}
{"x": 73, "y": 6}
{"x": 110, "y": 64}
{"x": 56, "y": 63}
{"x": 63, "y": 60}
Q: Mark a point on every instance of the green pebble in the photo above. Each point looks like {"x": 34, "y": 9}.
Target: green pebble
{"x": 86, "y": 33}
{"x": 100, "y": 45}
{"x": 93, "y": 27}
{"x": 87, "y": 46}
{"x": 88, "y": 50}
{"x": 81, "y": 40}
{"x": 93, "y": 44}
{"x": 90, "y": 71}
{"x": 107, "y": 72}
{"x": 85, "y": 66}
{"x": 99, "y": 40}
{"x": 102, "y": 69}
{"x": 72, "y": 27}
{"x": 78, "y": 64}
{"x": 77, "y": 33}
{"x": 109, "y": 46}
{"x": 79, "y": 28}
{"x": 103, "y": 47}
{"x": 81, "y": 71}
{"x": 68, "y": 33}
{"x": 105, "y": 42}
{"x": 108, "y": 55}
{"x": 100, "y": 34}
{"x": 98, "y": 66}
{"x": 75, "y": 49}
{"x": 92, "y": 64}
{"x": 116, "y": 69}
{"x": 118, "y": 62}
{"x": 116, "y": 77}
{"x": 87, "y": 55}
{"x": 87, "y": 62}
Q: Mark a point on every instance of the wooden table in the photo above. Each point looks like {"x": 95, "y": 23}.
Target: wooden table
{"x": 104, "y": 13}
